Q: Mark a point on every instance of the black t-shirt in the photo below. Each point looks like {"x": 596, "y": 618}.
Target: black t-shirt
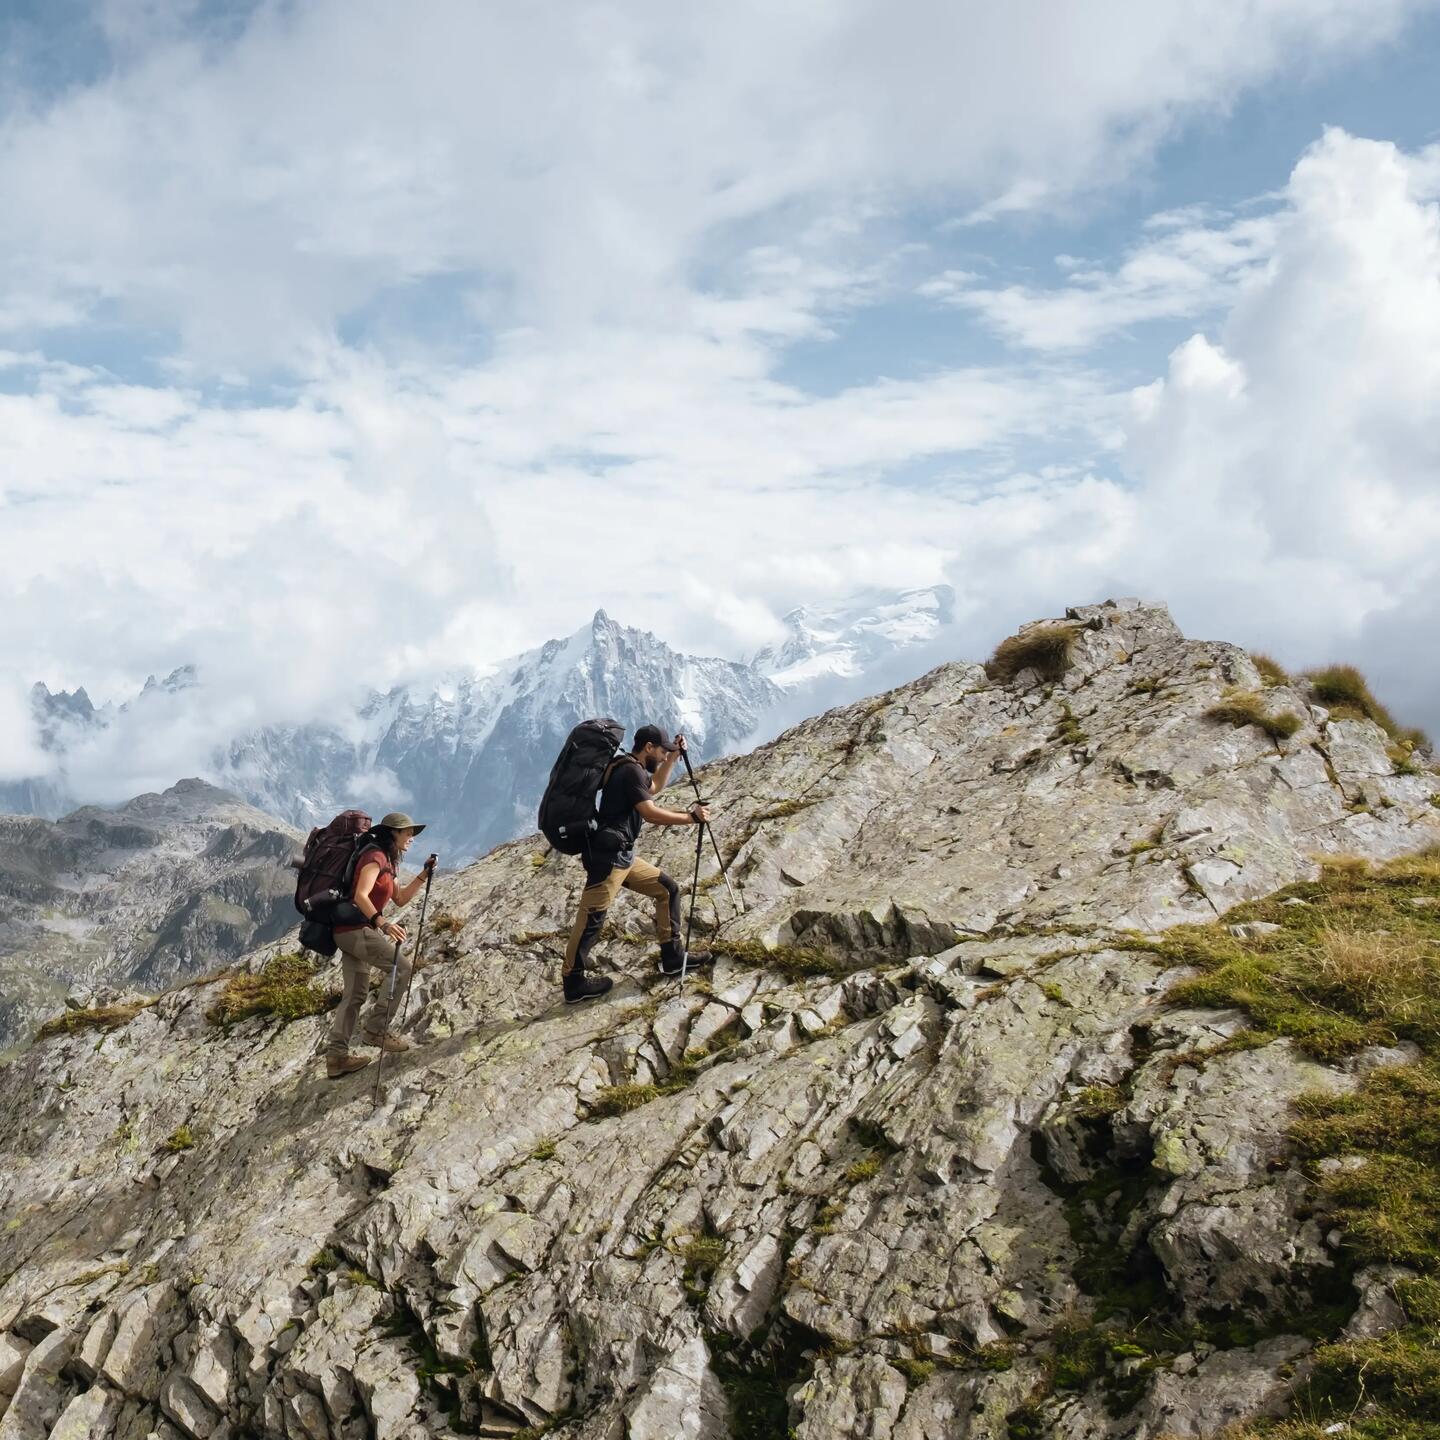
{"x": 620, "y": 821}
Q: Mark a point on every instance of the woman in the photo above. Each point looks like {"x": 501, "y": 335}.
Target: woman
{"x": 373, "y": 941}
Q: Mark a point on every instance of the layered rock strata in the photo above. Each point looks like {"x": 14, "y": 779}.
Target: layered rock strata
{"x": 865, "y": 1202}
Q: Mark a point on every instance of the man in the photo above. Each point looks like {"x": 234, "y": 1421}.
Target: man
{"x": 631, "y": 782}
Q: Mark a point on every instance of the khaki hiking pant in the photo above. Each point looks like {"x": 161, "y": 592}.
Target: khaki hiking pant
{"x": 599, "y": 894}
{"x": 360, "y": 952}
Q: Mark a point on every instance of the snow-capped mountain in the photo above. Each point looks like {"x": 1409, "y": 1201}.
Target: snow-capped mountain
{"x": 850, "y": 639}
{"x": 469, "y": 753}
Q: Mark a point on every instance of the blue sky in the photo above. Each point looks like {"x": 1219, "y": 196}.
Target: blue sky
{"x": 1046, "y": 302}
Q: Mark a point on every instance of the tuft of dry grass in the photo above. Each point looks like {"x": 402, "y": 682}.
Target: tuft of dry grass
{"x": 1346, "y": 693}
{"x": 1272, "y": 672}
{"x": 1045, "y": 649}
{"x": 1378, "y": 974}
{"x": 99, "y": 1017}
{"x": 1244, "y": 707}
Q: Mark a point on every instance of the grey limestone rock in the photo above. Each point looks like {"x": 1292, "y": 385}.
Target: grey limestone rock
{"x": 854, "y": 1198}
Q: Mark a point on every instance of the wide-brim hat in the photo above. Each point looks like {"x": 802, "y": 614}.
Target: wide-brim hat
{"x": 399, "y": 820}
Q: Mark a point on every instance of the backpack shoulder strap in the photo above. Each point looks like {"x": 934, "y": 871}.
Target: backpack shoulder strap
{"x": 361, "y": 850}
{"x": 616, "y": 761}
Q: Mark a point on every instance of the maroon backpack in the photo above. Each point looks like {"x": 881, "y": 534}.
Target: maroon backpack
{"x": 327, "y": 868}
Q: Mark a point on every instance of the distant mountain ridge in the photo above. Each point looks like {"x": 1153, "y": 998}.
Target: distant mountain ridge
{"x": 157, "y": 890}
{"x": 470, "y": 751}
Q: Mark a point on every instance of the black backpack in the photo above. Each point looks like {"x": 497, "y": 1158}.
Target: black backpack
{"x": 567, "y": 809}
{"x": 327, "y": 873}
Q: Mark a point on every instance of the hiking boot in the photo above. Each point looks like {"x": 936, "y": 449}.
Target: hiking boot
{"x": 580, "y": 986}
{"x": 338, "y": 1066}
{"x": 674, "y": 959}
{"x": 389, "y": 1043}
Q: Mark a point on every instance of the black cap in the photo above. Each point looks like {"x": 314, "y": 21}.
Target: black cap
{"x": 653, "y": 735}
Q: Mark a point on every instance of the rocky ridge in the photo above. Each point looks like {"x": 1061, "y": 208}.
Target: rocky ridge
{"x": 160, "y": 889}
{"x": 854, "y": 1182}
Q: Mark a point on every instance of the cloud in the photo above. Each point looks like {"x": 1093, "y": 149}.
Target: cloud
{"x": 20, "y": 754}
{"x": 1277, "y": 485}
{"x": 427, "y": 335}
{"x": 1189, "y": 269}
{"x": 574, "y": 163}
{"x": 1291, "y": 463}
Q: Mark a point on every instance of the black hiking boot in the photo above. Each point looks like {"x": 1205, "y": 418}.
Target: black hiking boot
{"x": 580, "y": 986}
{"x": 674, "y": 960}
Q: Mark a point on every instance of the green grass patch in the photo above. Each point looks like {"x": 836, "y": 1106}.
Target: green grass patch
{"x": 181, "y": 1138}
{"x": 1068, "y": 731}
{"x": 916, "y": 1372}
{"x": 622, "y": 1099}
{"x": 1345, "y": 692}
{"x": 794, "y": 960}
{"x": 758, "y": 1373}
{"x": 1147, "y": 685}
{"x": 1046, "y": 649}
{"x": 545, "y": 1150}
{"x": 1357, "y": 964}
{"x": 1402, "y": 757}
{"x": 283, "y": 987}
{"x": 703, "y": 1256}
{"x": 783, "y": 809}
{"x": 864, "y": 1169}
{"x": 1244, "y": 707}
{"x": 99, "y": 1017}
{"x": 1095, "y": 1102}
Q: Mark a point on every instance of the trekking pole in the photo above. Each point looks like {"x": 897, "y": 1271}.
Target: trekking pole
{"x": 419, "y": 943}
{"x": 390, "y": 999}
{"x": 690, "y": 918}
{"x": 705, "y": 825}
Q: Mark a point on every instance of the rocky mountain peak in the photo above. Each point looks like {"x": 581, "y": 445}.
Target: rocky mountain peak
{"x": 931, "y": 1149}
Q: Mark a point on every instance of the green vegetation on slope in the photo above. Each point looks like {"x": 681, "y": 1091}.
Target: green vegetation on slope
{"x": 284, "y": 987}
{"x": 1357, "y": 963}
{"x": 99, "y": 1017}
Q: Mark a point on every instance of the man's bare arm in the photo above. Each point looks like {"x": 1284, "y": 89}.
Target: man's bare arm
{"x": 658, "y": 815}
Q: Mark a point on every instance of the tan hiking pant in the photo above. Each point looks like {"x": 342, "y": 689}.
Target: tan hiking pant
{"x": 360, "y": 952}
{"x": 598, "y": 896}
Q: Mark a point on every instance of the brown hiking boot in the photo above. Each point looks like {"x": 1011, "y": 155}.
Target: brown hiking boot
{"x": 389, "y": 1044}
{"x": 337, "y": 1066}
